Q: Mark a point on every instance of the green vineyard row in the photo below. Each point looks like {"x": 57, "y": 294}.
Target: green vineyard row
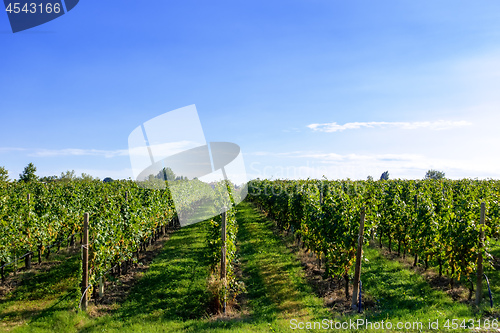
{"x": 122, "y": 217}
{"x": 435, "y": 221}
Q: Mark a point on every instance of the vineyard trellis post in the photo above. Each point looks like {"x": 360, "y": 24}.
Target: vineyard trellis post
{"x": 321, "y": 194}
{"x": 357, "y": 269}
{"x": 415, "y": 198}
{"x": 85, "y": 260}
{"x": 27, "y": 259}
{"x": 479, "y": 281}
{"x": 223, "y": 257}
{"x": 101, "y": 287}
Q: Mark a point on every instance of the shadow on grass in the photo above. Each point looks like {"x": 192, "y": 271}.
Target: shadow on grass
{"x": 273, "y": 277}
{"x": 175, "y": 286}
{"x": 399, "y": 293}
{"x": 38, "y": 286}
{"x": 29, "y": 301}
{"x": 493, "y": 273}
{"x": 172, "y": 295}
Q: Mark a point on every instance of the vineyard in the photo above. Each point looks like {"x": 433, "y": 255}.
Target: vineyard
{"x": 251, "y": 256}
{"x": 435, "y": 222}
{"x": 123, "y": 218}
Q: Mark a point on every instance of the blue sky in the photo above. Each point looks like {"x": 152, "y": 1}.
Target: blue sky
{"x": 306, "y": 88}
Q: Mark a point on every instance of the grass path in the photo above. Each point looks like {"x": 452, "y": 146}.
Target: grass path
{"x": 403, "y": 295}
{"x": 399, "y": 294}
{"x": 277, "y": 289}
{"x": 172, "y": 295}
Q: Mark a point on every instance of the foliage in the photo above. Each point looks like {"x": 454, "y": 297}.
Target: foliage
{"x": 35, "y": 215}
{"x": 86, "y": 177}
{"x": 434, "y": 174}
{"x": 385, "y": 175}
{"x": 166, "y": 174}
{"x": 46, "y": 179}
{"x": 224, "y": 202}
{"x": 28, "y": 174}
{"x": 68, "y": 175}
{"x": 437, "y": 221}
{"x": 4, "y": 174}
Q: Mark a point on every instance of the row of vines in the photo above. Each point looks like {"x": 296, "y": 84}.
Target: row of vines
{"x": 224, "y": 284}
{"x": 123, "y": 218}
{"x": 434, "y": 221}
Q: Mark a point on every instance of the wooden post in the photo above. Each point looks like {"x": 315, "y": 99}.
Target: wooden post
{"x": 2, "y": 271}
{"x": 223, "y": 256}
{"x": 479, "y": 280}
{"x": 27, "y": 259}
{"x": 101, "y": 287}
{"x": 85, "y": 261}
{"x": 39, "y": 254}
{"x": 321, "y": 195}
{"x": 415, "y": 261}
{"x": 357, "y": 269}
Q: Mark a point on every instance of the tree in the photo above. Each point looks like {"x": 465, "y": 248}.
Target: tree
{"x": 370, "y": 178}
{"x": 166, "y": 174}
{"x": 68, "y": 175}
{"x": 434, "y": 174}
{"x": 108, "y": 180}
{"x": 385, "y": 175}
{"x": 48, "y": 179}
{"x": 4, "y": 174}
{"x": 28, "y": 174}
{"x": 86, "y": 177}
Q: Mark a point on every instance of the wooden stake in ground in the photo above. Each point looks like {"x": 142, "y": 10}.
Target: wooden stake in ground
{"x": 415, "y": 261}
{"x": 357, "y": 269}
{"x": 321, "y": 194}
{"x": 27, "y": 259}
{"x": 223, "y": 257}
{"x": 85, "y": 261}
{"x": 101, "y": 287}
{"x": 479, "y": 281}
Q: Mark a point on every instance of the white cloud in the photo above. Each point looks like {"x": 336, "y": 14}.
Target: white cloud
{"x": 359, "y": 166}
{"x": 432, "y": 125}
{"x": 79, "y": 152}
{"x": 165, "y": 148}
{"x": 10, "y": 149}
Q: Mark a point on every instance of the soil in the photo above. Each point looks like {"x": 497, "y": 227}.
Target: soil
{"x": 458, "y": 292}
{"x": 331, "y": 290}
{"x": 12, "y": 280}
{"x": 117, "y": 288}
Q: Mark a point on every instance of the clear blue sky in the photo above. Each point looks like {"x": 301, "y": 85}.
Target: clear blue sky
{"x": 306, "y": 88}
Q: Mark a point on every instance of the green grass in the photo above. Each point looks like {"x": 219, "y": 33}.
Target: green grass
{"x": 274, "y": 277}
{"x": 41, "y": 294}
{"x": 493, "y": 275}
{"x": 172, "y": 295}
{"x": 402, "y": 295}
